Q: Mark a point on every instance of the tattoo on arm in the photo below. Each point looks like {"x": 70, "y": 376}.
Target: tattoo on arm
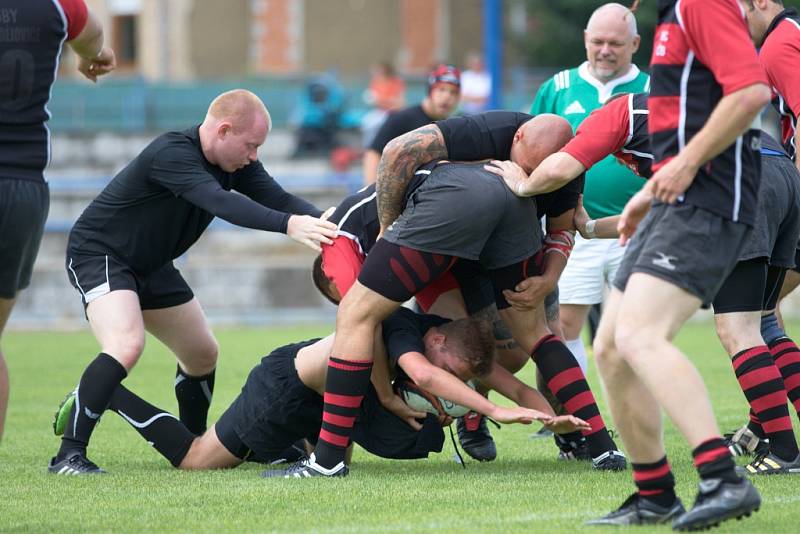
{"x": 400, "y": 158}
{"x": 502, "y": 334}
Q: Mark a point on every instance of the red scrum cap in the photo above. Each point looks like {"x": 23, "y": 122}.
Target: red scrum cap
{"x": 444, "y": 73}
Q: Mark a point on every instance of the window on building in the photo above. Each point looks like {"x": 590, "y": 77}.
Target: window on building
{"x": 124, "y": 40}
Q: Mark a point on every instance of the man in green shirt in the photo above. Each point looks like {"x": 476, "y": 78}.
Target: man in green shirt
{"x": 611, "y": 39}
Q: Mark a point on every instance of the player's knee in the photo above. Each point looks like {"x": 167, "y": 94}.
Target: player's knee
{"x": 126, "y": 350}
{"x": 604, "y": 349}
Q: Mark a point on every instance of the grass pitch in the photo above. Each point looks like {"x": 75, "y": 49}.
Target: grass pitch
{"x": 525, "y": 490}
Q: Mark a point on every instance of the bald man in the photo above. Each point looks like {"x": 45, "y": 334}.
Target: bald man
{"x": 121, "y": 249}
{"x": 611, "y": 39}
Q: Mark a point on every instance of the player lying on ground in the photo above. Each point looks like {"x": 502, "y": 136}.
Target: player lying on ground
{"x": 281, "y": 401}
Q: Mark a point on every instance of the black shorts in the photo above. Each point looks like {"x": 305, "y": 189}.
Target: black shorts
{"x": 24, "y": 205}
{"x": 94, "y": 276}
{"x": 777, "y": 228}
{"x": 744, "y": 290}
{"x": 275, "y": 409}
{"x": 686, "y": 246}
{"x": 465, "y": 211}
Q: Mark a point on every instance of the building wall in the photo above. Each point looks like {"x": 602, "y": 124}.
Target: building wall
{"x": 219, "y": 37}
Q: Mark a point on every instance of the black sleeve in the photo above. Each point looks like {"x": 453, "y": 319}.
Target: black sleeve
{"x": 235, "y": 208}
{"x": 566, "y": 198}
{"x": 257, "y": 184}
{"x": 403, "y": 331}
{"x": 387, "y": 132}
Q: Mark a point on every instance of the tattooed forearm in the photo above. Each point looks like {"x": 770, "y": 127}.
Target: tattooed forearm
{"x": 399, "y": 160}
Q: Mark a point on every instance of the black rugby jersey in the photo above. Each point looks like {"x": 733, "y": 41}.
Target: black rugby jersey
{"x": 780, "y": 56}
{"x": 143, "y": 219}
{"x": 32, "y": 33}
{"x": 489, "y": 135}
{"x": 398, "y": 123}
{"x": 357, "y": 218}
{"x": 618, "y": 128}
{"x": 702, "y": 52}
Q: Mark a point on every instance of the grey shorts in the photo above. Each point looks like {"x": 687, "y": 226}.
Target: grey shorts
{"x": 686, "y": 246}
{"x": 465, "y": 211}
{"x": 775, "y": 235}
{"x": 24, "y": 205}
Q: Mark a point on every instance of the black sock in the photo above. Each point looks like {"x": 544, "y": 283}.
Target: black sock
{"x": 161, "y": 429}
{"x": 98, "y": 382}
{"x": 194, "y": 397}
{"x": 655, "y": 482}
{"x": 345, "y": 386}
{"x": 713, "y": 460}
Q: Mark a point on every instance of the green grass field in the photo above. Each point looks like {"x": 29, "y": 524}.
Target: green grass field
{"x": 525, "y": 490}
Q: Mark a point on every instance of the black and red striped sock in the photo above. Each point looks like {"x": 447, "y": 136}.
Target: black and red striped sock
{"x": 763, "y": 386}
{"x": 345, "y": 386}
{"x": 787, "y": 357}
{"x": 566, "y": 381}
{"x": 655, "y": 482}
{"x": 754, "y": 425}
{"x": 713, "y": 460}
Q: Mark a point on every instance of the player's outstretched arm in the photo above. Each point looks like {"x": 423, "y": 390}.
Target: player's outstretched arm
{"x": 401, "y": 157}
{"x": 553, "y": 173}
{"x": 511, "y": 387}
{"x": 605, "y": 228}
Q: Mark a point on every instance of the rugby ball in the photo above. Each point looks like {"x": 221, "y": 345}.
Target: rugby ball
{"x": 424, "y": 401}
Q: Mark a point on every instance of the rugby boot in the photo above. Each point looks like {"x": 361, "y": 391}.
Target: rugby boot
{"x": 743, "y": 442}
{"x": 75, "y": 463}
{"x": 473, "y": 433}
{"x": 306, "y": 468}
{"x": 610, "y": 461}
{"x": 639, "y": 511}
{"x": 770, "y": 464}
{"x": 572, "y": 450}
{"x": 718, "y": 501}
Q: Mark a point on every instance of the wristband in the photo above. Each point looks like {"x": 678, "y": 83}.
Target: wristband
{"x": 590, "y": 228}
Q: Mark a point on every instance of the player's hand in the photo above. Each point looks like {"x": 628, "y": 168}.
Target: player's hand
{"x": 311, "y": 231}
{"x": 445, "y": 420}
{"x": 397, "y": 406}
{"x": 564, "y": 424}
{"x": 580, "y": 218}
{"x": 521, "y": 415}
{"x": 102, "y": 64}
{"x": 635, "y": 210}
{"x": 672, "y": 180}
{"x": 512, "y": 173}
{"x": 530, "y": 293}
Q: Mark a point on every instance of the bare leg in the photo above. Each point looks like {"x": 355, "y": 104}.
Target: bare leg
{"x": 208, "y": 452}
{"x": 185, "y": 331}
{"x": 6, "y": 306}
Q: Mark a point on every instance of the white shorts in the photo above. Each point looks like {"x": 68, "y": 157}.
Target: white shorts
{"x": 590, "y": 269}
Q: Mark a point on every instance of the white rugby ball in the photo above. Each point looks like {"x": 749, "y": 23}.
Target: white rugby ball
{"x": 424, "y": 401}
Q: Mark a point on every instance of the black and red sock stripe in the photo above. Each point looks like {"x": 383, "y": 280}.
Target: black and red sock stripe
{"x": 763, "y": 387}
{"x": 655, "y": 481}
{"x": 345, "y": 385}
{"x": 787, "y": 357}
{"x": 713, "y": 460}
{"x": 565, "y": 379}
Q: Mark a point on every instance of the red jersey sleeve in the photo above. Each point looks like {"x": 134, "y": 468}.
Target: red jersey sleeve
{"x": 77, "y": 14}
{"x": 780, "y": 56}
{"x": 602, "y": 133}
{"x": 717, "y": 34}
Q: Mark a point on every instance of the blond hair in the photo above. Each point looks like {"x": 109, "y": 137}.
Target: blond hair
{"x": 240, "y": 107}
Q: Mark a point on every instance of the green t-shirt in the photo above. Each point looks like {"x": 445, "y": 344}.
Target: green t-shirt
{"x": 574, "y": 94}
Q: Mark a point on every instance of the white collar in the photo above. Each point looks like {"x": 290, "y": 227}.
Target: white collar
{"x": 604, "y": 90}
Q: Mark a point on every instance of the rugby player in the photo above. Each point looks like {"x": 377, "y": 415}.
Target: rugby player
{"x": 121, "y": 250}
{"x": 34, "y": 34}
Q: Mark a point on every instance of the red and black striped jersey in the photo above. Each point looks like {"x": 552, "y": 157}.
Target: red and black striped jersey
{"x": 32, "y": 33}
{"x": 618, "y": 128}
{"x": 702, "y": 52}
{"x": 780, "y": 56}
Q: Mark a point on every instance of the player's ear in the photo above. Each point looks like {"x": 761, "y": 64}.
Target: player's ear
{"x": 224, "y": 128}
{"x": 636, "y": 41}
{"x": 439, "y": 339}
